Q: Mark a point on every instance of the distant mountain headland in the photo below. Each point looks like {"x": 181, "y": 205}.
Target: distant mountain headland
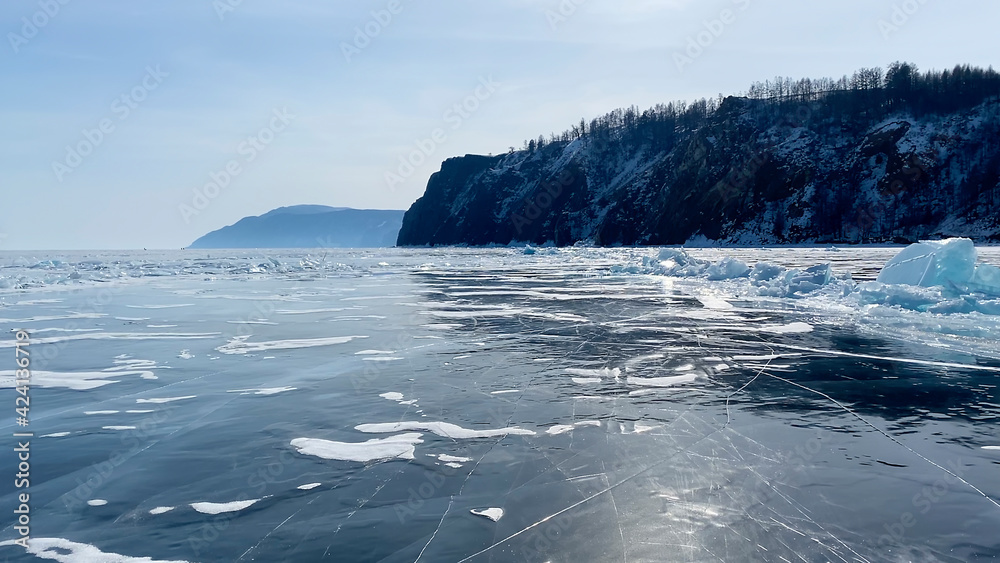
{"x": 881, "y": 156}
{"x": 309, "y": 226}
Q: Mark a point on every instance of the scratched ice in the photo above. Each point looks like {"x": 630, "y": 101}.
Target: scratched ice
{"x": 611, "y": 404}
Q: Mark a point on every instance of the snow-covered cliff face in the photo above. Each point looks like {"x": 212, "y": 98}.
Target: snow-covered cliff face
{"x": 747, "y": 175}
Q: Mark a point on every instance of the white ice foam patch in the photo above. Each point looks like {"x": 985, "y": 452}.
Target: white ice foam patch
{"x": 505, "y": 391}
{"x": 392, "y": 396}
{"x": 263, "y": 391}
{"x": 586, "y": 380}
{"x": 161, "y": 400}
{"x": 715, "y": 303}
{"x": 312, "y": 311}
{"x": 222, "y": 507}
{"x": 55, "y": 435}
{"x": 239, "y": 344}
{"x": 563, "y": 428}
{"x": 453, "y": 458}
{"x": 65, "y": 551}
{"x": 185, "y": 355}
{"x": 491, "y": 513}
{"x": 443, "y": 429}
{"x": 377, "y": 449}
{"x": 76, "y": 380}
{"x": 40, "y": 318}
{"x": 58, "y": 329}
{"x": 559, "y": 429}
{"x": 991, "y": 447}
{"x": 160, "y": 510}
{"x": 250, "y": 322}
{"x": 381, "y": 358}
{"x": 642, "y": 428}
{"x": 308, "y": 486}
{"x": 134, "y": 319}
{"x": 662, "y": 381}
{"x": 172, "y": 306}
{"x": 118, "y": 427}
{"x": 790, "y": 328}
{"x": 117, "y": 336}
{"x": 374, "y": 353}
{"x": 97, "y": 502}
{"x": 603, "y": 372}
{"x": 142, "y": 411}
{"x": 442, "y": 326}
{"x": 91, "y": 413}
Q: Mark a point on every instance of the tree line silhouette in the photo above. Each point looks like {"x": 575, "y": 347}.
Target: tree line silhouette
{"x": 869, "y": 95}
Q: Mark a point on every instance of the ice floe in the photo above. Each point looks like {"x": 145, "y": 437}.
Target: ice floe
{"x": 160, "y": 510}
{"x": 308, "y": 486}
{"x": 97, "y": 502}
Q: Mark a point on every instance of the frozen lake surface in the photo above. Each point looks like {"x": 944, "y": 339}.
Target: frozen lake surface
{"x": 492, "y": 405}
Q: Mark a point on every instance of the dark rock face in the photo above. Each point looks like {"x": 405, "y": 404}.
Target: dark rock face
{"x": 309, "y": 226}
{"x": 745, "y": 174}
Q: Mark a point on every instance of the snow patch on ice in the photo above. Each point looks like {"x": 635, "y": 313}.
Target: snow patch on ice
{"x": 401, "y": 446}
{"x": 239, "y": 344}
{"x": 263, "y": 391}
{"x": 494, "y": 514}
{"x": 443, "y": 429}
{"x": 66, "y": 551}
{"x": 222, "y": 507}
{"x": 161, "y": 400}
{"x": 662, "y": 381}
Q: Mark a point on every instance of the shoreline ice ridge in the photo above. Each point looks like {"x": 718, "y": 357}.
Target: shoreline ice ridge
{"x": 940, "y": 277}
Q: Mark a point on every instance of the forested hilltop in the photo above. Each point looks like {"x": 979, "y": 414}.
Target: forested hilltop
{"x": 880, "y": 156}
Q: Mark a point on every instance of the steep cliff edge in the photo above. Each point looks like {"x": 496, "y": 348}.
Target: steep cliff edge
{"x": 747, "y": 171}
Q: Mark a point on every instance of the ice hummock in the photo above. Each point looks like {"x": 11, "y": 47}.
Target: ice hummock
{"x": 950, "y": 263}
{"x": 938, "y": 277}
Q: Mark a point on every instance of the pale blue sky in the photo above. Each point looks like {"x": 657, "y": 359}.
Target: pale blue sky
{"x": 207, "y": 83}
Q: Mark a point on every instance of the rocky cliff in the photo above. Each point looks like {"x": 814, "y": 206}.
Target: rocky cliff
{"x": 744, "y": 172}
